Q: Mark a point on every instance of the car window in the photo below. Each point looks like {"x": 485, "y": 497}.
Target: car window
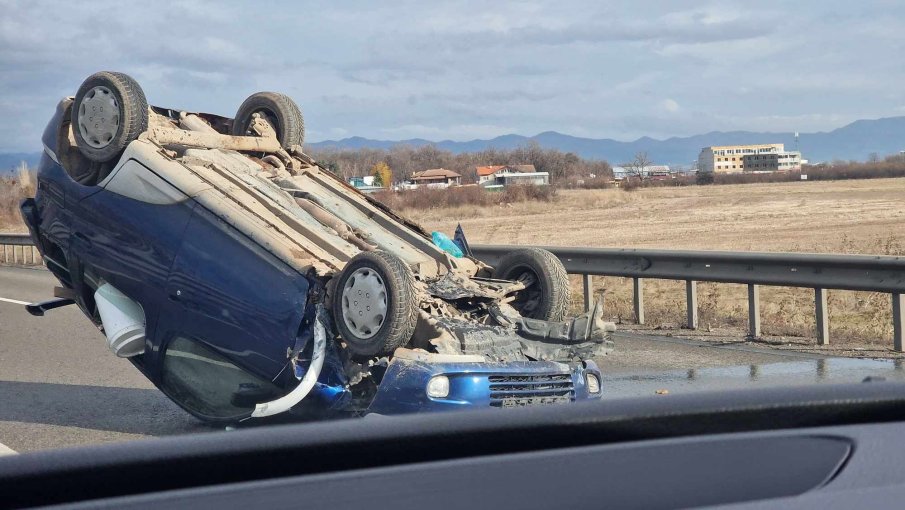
{"x": 138, "y": 182}
{"x": 209, "y": 384}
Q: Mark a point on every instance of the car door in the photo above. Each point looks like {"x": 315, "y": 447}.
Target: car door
{"x": 237, "y": 298}
{"x": 128, "y": 233}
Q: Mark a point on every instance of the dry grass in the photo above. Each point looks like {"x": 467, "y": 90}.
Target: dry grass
{"x": 12, "y": 191}
{"x": 865, "y": 216}
{"x": 857, "y": 319}
{"x": 855, "y": 216}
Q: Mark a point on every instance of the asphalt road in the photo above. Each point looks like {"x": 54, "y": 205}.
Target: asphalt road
{"x": 60, "y": 386}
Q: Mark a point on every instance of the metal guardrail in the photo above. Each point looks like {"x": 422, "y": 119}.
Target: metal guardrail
{"x": 18, "y": 249}
{"x": 820, "y": 272}
{"x": 816, "y": 271}
{"x": 15, "y": 240}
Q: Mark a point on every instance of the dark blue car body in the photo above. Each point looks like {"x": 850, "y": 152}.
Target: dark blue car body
{"x": 200, "y": 280}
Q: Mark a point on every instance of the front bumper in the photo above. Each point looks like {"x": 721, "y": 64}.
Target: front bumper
{"x": 403, "y": 388}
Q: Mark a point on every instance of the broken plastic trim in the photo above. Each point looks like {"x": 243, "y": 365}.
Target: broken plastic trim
{"x": 301, "y": 391}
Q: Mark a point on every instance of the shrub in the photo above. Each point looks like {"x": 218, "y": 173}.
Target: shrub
{"x": 631, "y": 184}
{"x": 427, "y": 198}
{"x": 522, "y": 193}
{"x": 893, "y": 166}
{"x": 12, "y": 191}
{"x": 601, "y": 182}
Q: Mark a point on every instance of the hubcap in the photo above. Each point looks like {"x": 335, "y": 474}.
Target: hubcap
{"x": 98, "y": 117}
{"x": 364, "y": 301}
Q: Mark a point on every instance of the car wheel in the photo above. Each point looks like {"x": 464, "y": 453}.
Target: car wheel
{"x": 374, "y": 305}
{"x": 109, "y": 112}
{"x": 547, "y": 294}
{"x": 279, "y": 110}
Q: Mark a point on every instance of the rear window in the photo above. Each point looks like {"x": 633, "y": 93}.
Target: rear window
{"x": 208, "y": 384}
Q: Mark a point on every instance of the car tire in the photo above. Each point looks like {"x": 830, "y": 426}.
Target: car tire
{"x": 374, "y": 304}
{"x": 109, "y": 112}
{"x": 281, "y": 112}
{"x": 548, "y": 295}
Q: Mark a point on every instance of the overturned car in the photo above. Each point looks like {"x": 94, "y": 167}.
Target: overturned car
{"x": 244, "y": 280}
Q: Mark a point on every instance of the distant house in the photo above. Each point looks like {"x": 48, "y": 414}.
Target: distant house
{"x": 365, "y": 184}
{"x": 489, "y": 173}
{"x": 656, "y": 172}
{"x": 437, "y": 178}
{"x": 504, "y": 175}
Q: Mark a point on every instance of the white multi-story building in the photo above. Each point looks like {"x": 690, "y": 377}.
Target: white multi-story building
{"x": 770, "y": 157}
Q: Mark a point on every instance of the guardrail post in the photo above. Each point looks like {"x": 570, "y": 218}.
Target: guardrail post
{"x": 638, "y": 299}
{"x": 753, "y": 311}
{"x": 898, "y": 322}
{"x": 823, "y": 323}
{"x": 588, "y": 287}
{"x": 691, "y": 304}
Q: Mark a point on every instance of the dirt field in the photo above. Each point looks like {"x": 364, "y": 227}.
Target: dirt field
{"x": 854, "y": 216}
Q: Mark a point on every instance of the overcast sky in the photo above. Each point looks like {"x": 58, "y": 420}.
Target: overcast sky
{"x": 470, "y": 69}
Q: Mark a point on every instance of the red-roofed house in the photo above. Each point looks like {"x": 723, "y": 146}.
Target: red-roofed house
{"x": 485, "y": 173}
{"x": 510, "y": 174}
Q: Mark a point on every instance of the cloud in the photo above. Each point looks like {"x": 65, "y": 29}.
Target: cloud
{"x": 469, "y": 68}
{"x": 692, "y": 27}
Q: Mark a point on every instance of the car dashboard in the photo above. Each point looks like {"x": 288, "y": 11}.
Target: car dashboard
{"x": 796, "y": 448}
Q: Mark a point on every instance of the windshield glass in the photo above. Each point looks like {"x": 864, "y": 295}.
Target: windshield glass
{"x": 345, "y": 210}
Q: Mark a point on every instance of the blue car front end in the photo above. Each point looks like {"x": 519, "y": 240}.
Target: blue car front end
{"x": 412, "y": 385}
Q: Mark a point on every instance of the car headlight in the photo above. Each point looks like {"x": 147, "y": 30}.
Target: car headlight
{"x": 438, "y": 386}
{"x": 593, "y": 383}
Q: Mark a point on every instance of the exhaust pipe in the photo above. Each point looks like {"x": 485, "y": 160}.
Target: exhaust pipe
{"x": 123, "y": 319}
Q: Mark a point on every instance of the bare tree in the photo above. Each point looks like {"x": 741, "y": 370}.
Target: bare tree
{"x": 638, "y": 167}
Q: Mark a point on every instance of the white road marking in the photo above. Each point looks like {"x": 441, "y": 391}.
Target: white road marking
{"x": 14, "y": 301}
{"x": 6, "y": 450}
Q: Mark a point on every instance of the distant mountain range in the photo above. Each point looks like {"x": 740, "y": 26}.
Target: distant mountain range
{"x": 856, "y": 141}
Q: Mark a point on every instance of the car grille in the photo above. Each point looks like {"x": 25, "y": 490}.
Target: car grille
{"x": 517, "y": 390}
